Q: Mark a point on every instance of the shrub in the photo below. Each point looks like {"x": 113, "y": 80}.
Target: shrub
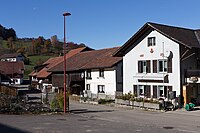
{"x": 54, "y": 104}
{"x": 58, "y": 102}
{"x": 139, "y": 99}
{"x": 105, "y": 101}
{"x": 128, "y": 96}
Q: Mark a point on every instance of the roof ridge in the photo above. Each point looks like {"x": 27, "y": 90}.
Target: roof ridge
{"x": 172, "y": 26}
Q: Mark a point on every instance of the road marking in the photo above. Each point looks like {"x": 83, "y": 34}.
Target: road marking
{"x": 188, "y": 131}
{"x": 139, "y": 130}
{"x": 88, "y": 130}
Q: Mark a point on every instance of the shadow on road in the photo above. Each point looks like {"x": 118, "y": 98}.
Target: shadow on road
{"x": 8, "y": 129}
{"x": 80, "y": 111}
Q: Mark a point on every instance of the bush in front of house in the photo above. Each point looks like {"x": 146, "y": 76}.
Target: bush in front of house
{"x": 128, "y": 96}
{"x": 105, "y": 101}
{"x": 58, "y": 102}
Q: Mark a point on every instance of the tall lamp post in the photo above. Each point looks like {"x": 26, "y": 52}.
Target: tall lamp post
{"x": 64, "y": 58}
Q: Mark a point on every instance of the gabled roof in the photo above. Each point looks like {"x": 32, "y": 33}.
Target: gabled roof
{"x": 184, "y": 36}
{"x": 90, "y": 60}
{"x": 12, "y": 55}
{"x": 8, "y": 68}
{"x": 43, "y": 73}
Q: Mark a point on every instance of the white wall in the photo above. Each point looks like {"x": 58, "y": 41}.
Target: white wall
{"x": 130, "y": 62}
{"x": 17, "y": 81}
{"x": 109, "y": 80}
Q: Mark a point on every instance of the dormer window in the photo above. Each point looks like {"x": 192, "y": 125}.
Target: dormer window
{"x": 151, "y": 41}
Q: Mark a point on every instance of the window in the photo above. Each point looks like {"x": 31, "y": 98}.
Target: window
{"x": 101, "y": 88}
{"x": 88, "y": 74}
{"x": 151, "y": 41}
{"x": 160, "y": 91}
{"x": 101, "y": 73}
{"x": 141, "y": 90}
{"x": 144, "y": 66}
{"x": 162, "y": 66}
{"x": 87, "y": 86}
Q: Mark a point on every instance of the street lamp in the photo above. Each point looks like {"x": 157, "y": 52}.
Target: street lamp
{"x": 64, "y": 58}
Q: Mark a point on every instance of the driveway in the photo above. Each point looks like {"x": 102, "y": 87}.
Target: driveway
{"x": 86, "y": 118}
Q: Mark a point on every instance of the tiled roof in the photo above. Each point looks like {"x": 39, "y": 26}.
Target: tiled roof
{"x": 11, "y": 67}
{"x": 10, "y": 55}
{"x": 53, "y": 62}
{"x": 182, "y": 35}
{"x": 90, "y": 60}
{"x": 187, "y": 37}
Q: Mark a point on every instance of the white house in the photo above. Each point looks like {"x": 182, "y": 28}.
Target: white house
{"x": 96, "y": 73}
{"x": 157, "y": 58}
{"x": 105, "y": 83}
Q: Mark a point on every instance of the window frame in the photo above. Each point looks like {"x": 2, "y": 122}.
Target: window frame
{"x": 87, "y": 86}
{"x": 88, "y": 74}
{"x": 151, "y": 41}
{"x": 143, "y": 66}
{"x": 141, "y": 90}
{"x": 101, "y": 72}
{"x": 159, "y": 89}
{"x": 164, "y": 68}
{"x": 102, "y": 87}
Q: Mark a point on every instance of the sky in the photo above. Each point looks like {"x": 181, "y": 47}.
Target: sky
{"x": 96, "y": 23}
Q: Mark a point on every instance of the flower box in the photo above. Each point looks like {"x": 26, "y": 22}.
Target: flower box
{"x": 122, "y": 102}
{"x": 152, "y": 106}
{"x": 137, "y": 104}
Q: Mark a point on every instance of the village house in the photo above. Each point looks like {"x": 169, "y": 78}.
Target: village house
{"x": 14, "y": 57}
{"x": 41, "y": 77}
{"x": 161, "y": 61}
{"x": 12, "y": 70}
{"x": 95, "y": 73}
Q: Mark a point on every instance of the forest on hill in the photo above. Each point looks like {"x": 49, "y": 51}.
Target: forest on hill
{"x": 10, "y": 43}
{"x": 36, "y": 50}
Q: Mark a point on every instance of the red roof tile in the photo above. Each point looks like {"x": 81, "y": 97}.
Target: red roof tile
{"x": 89, "y": 60}
{"x": 11, "y": 67}
{"x": 53, "y": 62}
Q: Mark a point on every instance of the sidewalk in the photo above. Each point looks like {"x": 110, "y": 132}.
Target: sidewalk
{"x": 183, "y": 111}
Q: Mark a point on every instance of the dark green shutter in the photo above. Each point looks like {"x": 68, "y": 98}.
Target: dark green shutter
{"x": 139, "y": 66}
{"x": 169, "y": 66}
{"x": 148, "y": 66}
{"x": 135, "y": 90}
{"x": 154, "y": 66}
{"x": 155, "y": 92}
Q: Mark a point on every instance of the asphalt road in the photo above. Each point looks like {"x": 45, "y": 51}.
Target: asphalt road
{"x": 86, "y": 118}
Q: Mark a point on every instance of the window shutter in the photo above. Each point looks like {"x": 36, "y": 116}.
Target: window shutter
{"x": 165, "y": 91}
{"x": 135, "y": 90}
{"x": 147, "y": 91}
{"x": 169, "y": 66}
{"x": 154, "y": 66}
{"x": 148, "y": 66}
{"x": 155, "y": 92}
{"x": 139, "y": 66}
